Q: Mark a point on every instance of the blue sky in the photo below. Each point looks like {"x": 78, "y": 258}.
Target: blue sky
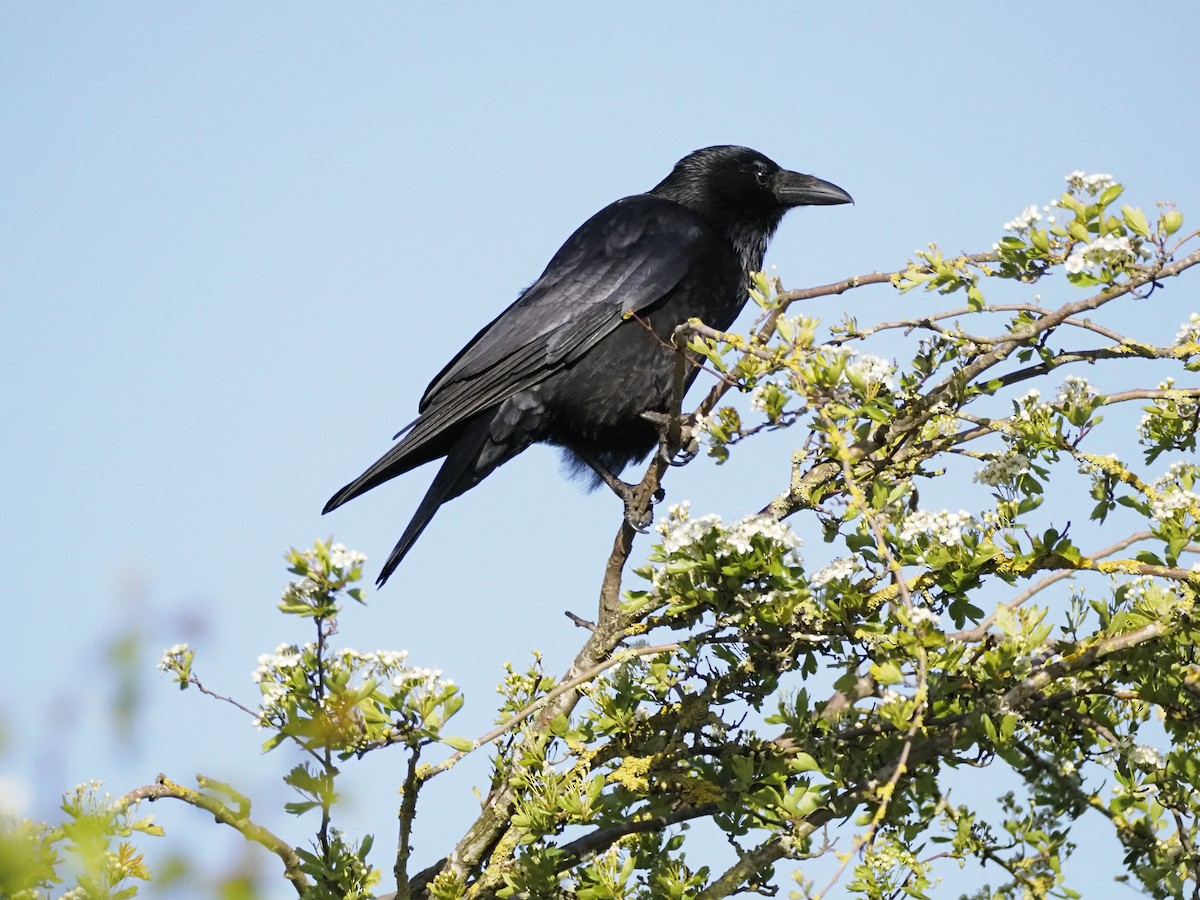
{"x": 237, "y": 240}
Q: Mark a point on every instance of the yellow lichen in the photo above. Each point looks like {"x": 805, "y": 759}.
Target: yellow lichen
{"x": 631, "y": 773}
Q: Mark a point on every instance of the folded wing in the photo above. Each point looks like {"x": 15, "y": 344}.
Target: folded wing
{"x": 625, "y": 259}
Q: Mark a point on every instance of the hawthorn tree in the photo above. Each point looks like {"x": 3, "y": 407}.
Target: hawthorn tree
{"x": 815, "y": 714}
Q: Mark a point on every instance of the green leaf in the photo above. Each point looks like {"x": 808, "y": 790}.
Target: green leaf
{"x": 806, "y": 804}
{"x": 886, "y": 673}
{"x": 147, "y": 826}
{"x": 974, "y": 297}
{"x": 1066, "y": 201}
{"x": 1007, "y": 725}
{"x": 1135, "y": 221}
{"x": 988, "y": 728}
{"x": 461, "y": 744}
{"x": 1006, "y": 621}
{"x": 802, "y": 762}
{"x": 1083, "y": 279}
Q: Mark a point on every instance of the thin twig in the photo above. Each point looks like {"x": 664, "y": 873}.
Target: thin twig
{"x": 621, "y": 656}
{"x": 978, "y": 632}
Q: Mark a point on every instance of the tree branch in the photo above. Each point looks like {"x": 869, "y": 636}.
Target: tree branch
{"x": 978, "y": 632}
{"x": 240, "y": 820}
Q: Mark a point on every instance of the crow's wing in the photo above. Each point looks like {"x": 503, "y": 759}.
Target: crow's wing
{"x": 627, "y": 258}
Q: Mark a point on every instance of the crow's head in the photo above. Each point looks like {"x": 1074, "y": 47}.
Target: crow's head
{"x": 744, "y": 194}
{"x": 739, "y": 184}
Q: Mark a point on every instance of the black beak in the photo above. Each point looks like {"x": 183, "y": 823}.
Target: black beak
{"x": 794, "y": 189}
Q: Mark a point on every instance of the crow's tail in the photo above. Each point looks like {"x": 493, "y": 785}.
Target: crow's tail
{"x": 473, "y": 456}
{"x": 403, "y": 457}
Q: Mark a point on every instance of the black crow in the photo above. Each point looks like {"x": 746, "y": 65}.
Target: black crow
{"x": 585, "y": 351}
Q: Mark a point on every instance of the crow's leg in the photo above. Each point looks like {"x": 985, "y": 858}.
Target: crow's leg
{"x": 689, "y": 437}
{"x": 639, "y": 520}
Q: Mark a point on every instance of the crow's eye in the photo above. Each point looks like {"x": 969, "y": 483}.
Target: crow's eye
{"x": 761, "y": 174}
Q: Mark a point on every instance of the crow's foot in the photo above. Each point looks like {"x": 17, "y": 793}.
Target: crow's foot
{"x": 637, "y": 518}
{"x": 689, "y": 438}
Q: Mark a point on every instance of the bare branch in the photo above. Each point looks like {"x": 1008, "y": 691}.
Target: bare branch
{"x": 240, "y": 820}
{"x": 603, "y": 838}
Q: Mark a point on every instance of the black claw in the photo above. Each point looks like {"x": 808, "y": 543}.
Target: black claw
{"x": 640, "y": 520}
{"x": 640, "y": 524}
{"x": 683, "y": 457}
{"x": 691, "y": 445}
{"x": 659, "y": 494}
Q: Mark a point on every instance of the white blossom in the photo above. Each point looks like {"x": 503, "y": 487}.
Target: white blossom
{"x": 1076, "y": 391}
{"x": 1024, "y": 220}
{"x": 739, "y": 535}
{"x": 171, "y": 657}
{"x": 758, "y": 398}
{"x": 676, "y": 511}
{"x": 1145, "y": 757}
{"x": 843, "y": 567}
{"x": 1182, "y": 407}
{"x": 680, "y": 531}
{"x": 273, "y": 695}
{"x": 1094, "y": 184}
{"x": 862, "y": 367}
{"x": 1005, "y": 469}
{"x": 1140, "y": 589}
{"x": 1028, "y": 406}
{"x": 377, "y": 662}
{"x": 417, "y": 678}
{"x": 923, "y": 615}
{"x": 341, "y": 558}
{"x": 273, "y": 665}
{"x": 943, "y": 526}
{"x": 1172, "y": 499}
{"x": 1189, "y": 331}
{"x": 304, "y": 589}
{"x": 871, "y": 369}
{"x": 678, "y": 535}
{"x": 1109, "y": 250}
